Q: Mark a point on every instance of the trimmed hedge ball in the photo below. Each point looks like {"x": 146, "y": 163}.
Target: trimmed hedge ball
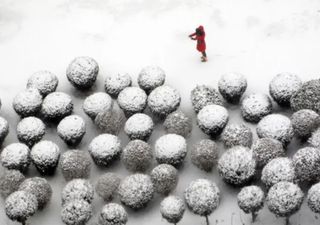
{"x": 75, "y": 164}
{"x": 45, "y": 81}
{"x": 45, "y": 156}
{"x": 132, "y": 100}
{"x": 10, "y": 181}
{"x": 56, "y": 106}
{"x": 255, "y": 106}
{"x": 16, "y": 156}
{"x": 77, "y": 189}
{"x": 283, "y": 86}
{"x": 266, "y": 149}
{"x": 251, "y": 200}
{"x": 172, "y": 209}
{"x": 307, "y": 164}
{"x": 171, "y": 149}
{"x": 96, "y": 103}
{"x": 137, "y": 156}
{"x": 237, "y": 165}
{"x": 313, "y": 198}
{"x": 151, "y": 77}
{"x": 203, "y": 95}
{"x": 114, "y": 84}
{"x": 30, "y": 130}
{"x": 20, "y": 205}
{"x": 304, "y": 122}
{"x": 212, "y": 119}
{"x": 307, "y": 97}
{"x": 136, "y": 191}
{"x": 284, "y": 199}
{"x": 204, "y": 154}
{"x": 202, "y": 197}
{"x": 110, "y": 121}
{"x": 232, "y": 86}
{"x": 113, "y": 214}
{"x": 4, "y": 129}
{"x": 27, "y": 102}
{"x": 278, "y": 169}
{"x": 237, "y": 134}
{"x": 164, "y": 178}
{"x": 163, "y": 100}
{"x": 314, "y": 140}
{"x": 71, "y": 129}
{"x": 276, "y": 126}
{"x": 76, "y": 212}
{"x": 139, "y": 126}
{"x": 82, "y": 72}
{"x": 107, "y": 185}
{"x": 40, "y": 188}
{"x": 178, "y": 122}
{"x": 104, "y": 149}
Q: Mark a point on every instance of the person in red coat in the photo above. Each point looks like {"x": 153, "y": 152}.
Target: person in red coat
{"x": 199, "y": 36}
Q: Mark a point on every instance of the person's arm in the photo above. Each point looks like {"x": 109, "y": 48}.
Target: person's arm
{"x": 191, "y": 35}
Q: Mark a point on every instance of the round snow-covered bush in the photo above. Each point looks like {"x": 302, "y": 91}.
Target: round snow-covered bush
{"x": 107, "y": 186}
{"x": 104, "y": 149}
{"x": 82, "y": 72}
{"x": 202, "y": 197}
{"x": 136, "y": 191}
{"x": 266, "y": 149}
{"x": 151, "y": 77}
{"x": 304, "y": 122}
{"x": 20, "y": 205}
{"x": 114, "y": 84}
{"x": 10, "y": 181}
{"x": 56, "y": 106}
{"x": 132, "y": 100}
{"x": 164, "y": 178}
{"x": 75, "y": 164}
{"x": 255, "y": 106}
{"x": 284, "y": 199}
{"x": 307, "y": 96}
{"x": 171, "y": 149}
{"x": 77, "y": 189}
{"x": 237, "y": 134}
{"x": 172, "y": 209}
{"x": 283, "y": 86}
{"x": 45, "y": 81}
{"x": 278, "y": 169}
{"x": 163, "y": 100}
{"x": 276, "y": 126}
{"x": 71, "y": 129}
{"x": 27, "y": 102}
{"x": 237, "y": 165}
{"x": 232, "y": 86}
{"x": 113, "y": 214}
{"x": 137, "y": 156}
{"x": 30, "y": 130}
{"x": 204, "y": 154}
{"x": 203, "y": 95}
{"x": 251, "y": 199}
{"x": 45, "y": 156}
{"x": 16, "y": 156}
{"x": 313, "y": 198}
{"x": 178, "y": 123}
{"x": 212, "y": 119}
{"x": 307, "y": 164}
{"x": 139, "y": 126}
{"x": 96, "y": 103}
{"x": 76, "y": 212}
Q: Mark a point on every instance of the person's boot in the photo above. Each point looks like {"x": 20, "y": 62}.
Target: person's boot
{"x": 204, "y": 59}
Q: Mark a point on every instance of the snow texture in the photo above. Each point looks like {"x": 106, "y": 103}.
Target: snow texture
{"x": 27, "y": 102}
{"x": 232, "y": 86}
{"x": 71, "y": 129}
{"x": 172, "y": 209}
{"x": 97, "y": 103}
{"x": 203, "y": 95}
{"x": 132, "y": 100}
{"x": 151, "y": 77}
{"x": 114, "y": 84}
{"x": 139, "y": 126}
{"x": 113, "y": 214}
{"x": 45, "y": 81}
{"x": 16, "y": 156}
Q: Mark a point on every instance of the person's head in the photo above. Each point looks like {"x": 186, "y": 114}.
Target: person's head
{"x": 199, "y": 31}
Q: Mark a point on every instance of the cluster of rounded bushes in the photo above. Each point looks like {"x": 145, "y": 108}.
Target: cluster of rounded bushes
{"x": 134, "y": 109}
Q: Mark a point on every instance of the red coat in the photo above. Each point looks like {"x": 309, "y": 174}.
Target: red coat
{"x": 201, "y": 43}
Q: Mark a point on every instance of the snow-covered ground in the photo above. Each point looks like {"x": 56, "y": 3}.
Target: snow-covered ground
{"x": 258, "y": 38}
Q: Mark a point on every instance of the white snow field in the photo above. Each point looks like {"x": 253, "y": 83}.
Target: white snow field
{"x": 258, "y": 38}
